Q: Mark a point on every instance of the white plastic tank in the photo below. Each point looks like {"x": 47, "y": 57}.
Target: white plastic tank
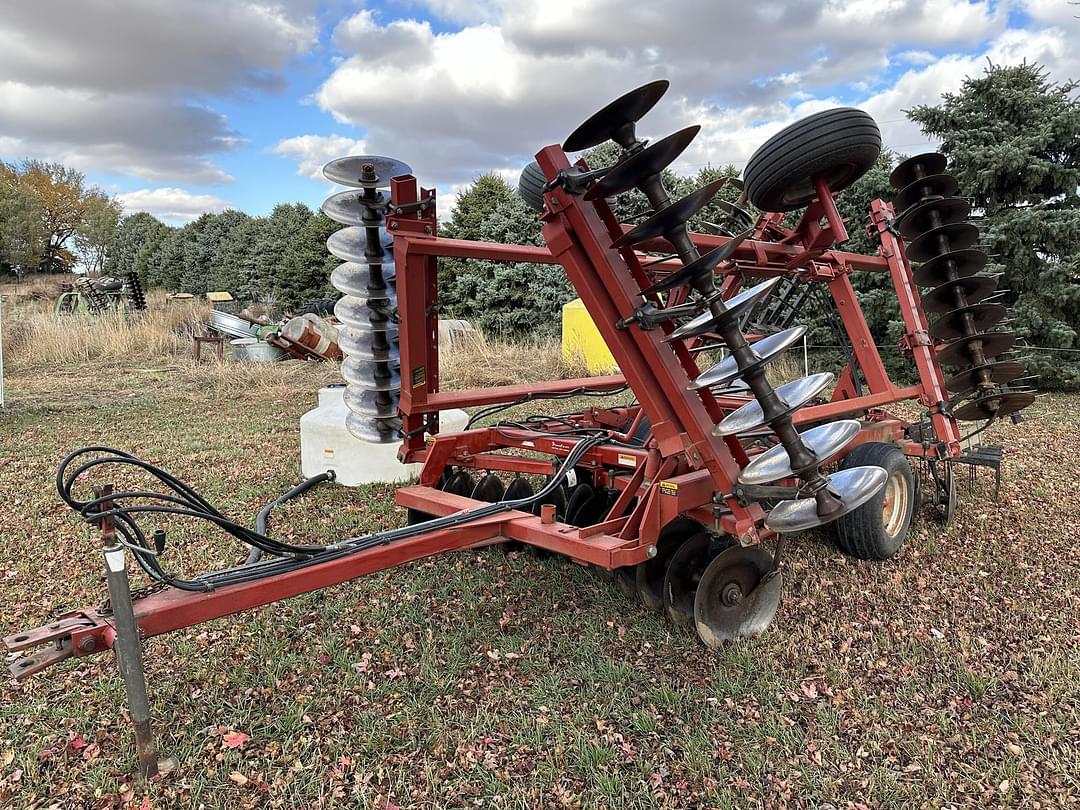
{"x": 325, "y": 444}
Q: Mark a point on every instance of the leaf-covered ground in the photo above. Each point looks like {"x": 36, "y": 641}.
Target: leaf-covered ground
{"x": 947, "y": 676}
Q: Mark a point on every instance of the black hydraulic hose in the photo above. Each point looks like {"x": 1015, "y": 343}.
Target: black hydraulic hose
{"x": 264, "y": 514}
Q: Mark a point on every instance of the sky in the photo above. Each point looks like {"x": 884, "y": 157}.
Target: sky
{"x": 185, "y": 106}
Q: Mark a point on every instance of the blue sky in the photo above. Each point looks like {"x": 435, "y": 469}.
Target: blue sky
{"x": 180, "y": 106}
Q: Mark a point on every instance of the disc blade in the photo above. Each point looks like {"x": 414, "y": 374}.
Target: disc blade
{"x": 933, "y": 185}
{"x": 958, "y": 236}
{"x": 372, "y": 403}
{"x": 363, "y": 343}
{"x": 354, "y": 278}
{"x": 674, "y": 216}
{"x": 793, "y": 395}
{"x": 932, "y": 213}
{"x": 824, "y": 441}
{"x": 961, "y": 263}
{"x": 369, "y": 375}
{"x": 359, "y": 314}
{"x": 911, "y": 169}
{"x": 954, "y": 324}
{"x": 685, "y": 570}
{"x": 855, "y": 486}
{"x": 642, "y": 165}
{"x": 364, "y": 171}
{"x": 998, "y": 374}
{"x": 490, "y": 489}
{"x": 615, "y": 121}
{"x": 943, "y": 299}
{"x": 734, "y": 308}
{"x": 701, "y": 265}
{"x": 347, "y": 208}
{"x": 351, "y": 245}
{"x": 374, "y": 430}
{"x": 766, "y": 349}
{"x": 958, "y": 353}
{"x": 737, "y": 597}
{"x": 994, "y": 405}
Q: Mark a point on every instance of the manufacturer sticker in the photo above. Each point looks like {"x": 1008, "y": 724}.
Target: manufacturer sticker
{"x": 669, "y": 488}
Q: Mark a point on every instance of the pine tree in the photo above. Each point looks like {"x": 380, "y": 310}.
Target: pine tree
{"x": 1013, "y": 141}
{"x": 304, "y": 272}
{"x": 208, "y": 233}
{"x": 137, "y": 237}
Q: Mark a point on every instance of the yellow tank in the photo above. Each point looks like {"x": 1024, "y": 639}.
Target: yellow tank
{"x": 581, "y": 338}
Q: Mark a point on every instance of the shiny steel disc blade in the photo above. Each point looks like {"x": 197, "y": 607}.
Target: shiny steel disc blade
{"x": 958, "y": 353}
{"x": 354, "y": 278}
{"x": 959, "y": 236}
{"x": 642, "y": 165}
{"x": 921, "y": 217}
{"x": 793, "y": 395}
{"x": 738, "y": 596}
{"x": 364, "y": 171}
{"x": 368, "y": 345}
{"x": 350, "y": 244}
{"x": 372, "y": 403}
{"x": 359, "y": 314}
{"x": 382, "y": 300}
{"x": 943, "y": 298}
{"x": 994, "y": 405}
{"x": 855, "y": 486}
{"x": 998, "y": 373}
{"x": 347, "y": 208}
{"x": 734, "y": 307}
{"x": 373, "y": 429}
{"x": 960, "y": 263}
{"x": 701, "y": 265}
{"x": 824, "y": 441}
{"x": 953, "y": 324}
{"x": 933, "y": 185}
{"x": 674, "y": 216}
{"x": 908, "y": 172}
{"x": 371, "y": 375}
{"x": 615, "y": 121}
{"x": 766, "y": 349}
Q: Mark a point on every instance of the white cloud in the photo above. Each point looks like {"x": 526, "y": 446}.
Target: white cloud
{"x": 172, "y": 205}
{"x": 312, "y": 152}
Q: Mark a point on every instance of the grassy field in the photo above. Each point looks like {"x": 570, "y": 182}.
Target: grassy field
{"x": 948, "y": 676}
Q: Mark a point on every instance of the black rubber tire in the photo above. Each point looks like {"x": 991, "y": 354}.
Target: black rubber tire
{"x": 531, "y": 186}
{"x": 862, "y": 533}
{"x": 323, "y": 307}
{"x": 842, "y": 143}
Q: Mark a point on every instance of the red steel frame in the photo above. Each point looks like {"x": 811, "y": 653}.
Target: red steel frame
{"x": 682, "y": 470}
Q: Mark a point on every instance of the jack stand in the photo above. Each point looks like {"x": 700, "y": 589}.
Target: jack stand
{"x": 128, "y": 647}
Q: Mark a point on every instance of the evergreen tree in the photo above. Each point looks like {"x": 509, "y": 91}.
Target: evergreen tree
{"x": 304, "y": 273}
{"x": 200, "y": 251}
{"x": 165, "y": 266}
{"x": 1013, "y": 140}
{"x": 137, "y": 235}
{"x": 276, "y": 233}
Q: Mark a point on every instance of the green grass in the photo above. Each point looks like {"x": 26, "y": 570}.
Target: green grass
{"x": 947, "y": 675}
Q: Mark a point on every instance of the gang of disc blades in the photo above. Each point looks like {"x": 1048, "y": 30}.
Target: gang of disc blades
{"x": 617, "y": 118}
{"x": 371, "y": 375}
{"x": 373, "y": 429}
{"x": 700, "y": 266}
{"x": 738, "y": 595}
{"x": 960, "y": 236}
{"x": 1000, "y": 373}
{"x": 919, "y": 218}
{"x": 962, "y": 263}
{"x": 958, "y": 353}
{"x": 824, "y": 441}
{"x": 642, "y": 165}
{"x": 943, "y": 299}
{"x": 793, "y": 395}
{"x": 766, "y": 350}
{"x": 350, "y": 171}
{"x": 674, "y": 216}
{"x": 733, "y": 309}
{"x": 994, "y": 406}
{"x": 933, "y": 185}
{"x": 855, "y": 486}
{"x": 904, "y": 174}
{"x": 351, "y": 245}
{"x": 983, "y": 317}
{"x": 383, "y": 404}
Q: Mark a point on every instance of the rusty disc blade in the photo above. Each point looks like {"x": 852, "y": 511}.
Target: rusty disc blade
{"x": 958, "y": 353}
{"x": 958, "y": 236}
{"x": 998, "y": 373}
{"x": 642, "y": 165}
{"x": 954, "y": 323}
{"x": 933, "y": 185}
{"x": 994, "y": 405}
{"x": 674, "y": 216}
{"x": 908, "y": 172}
{"x": 960, "y": 263}
{"x": 943, "y": 299}
{"x": 616, "y": 120}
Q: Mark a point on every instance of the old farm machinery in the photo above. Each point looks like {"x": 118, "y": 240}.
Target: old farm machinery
{"x": 689, "y": 494}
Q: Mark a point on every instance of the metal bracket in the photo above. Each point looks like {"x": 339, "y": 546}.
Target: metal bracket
{"x": 412, "y": 207}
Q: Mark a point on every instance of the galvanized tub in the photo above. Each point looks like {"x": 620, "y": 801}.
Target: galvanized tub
{"x": 252, "y": 350}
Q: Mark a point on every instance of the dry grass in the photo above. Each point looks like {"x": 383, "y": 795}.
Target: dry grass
{"x": 472, "y": 361}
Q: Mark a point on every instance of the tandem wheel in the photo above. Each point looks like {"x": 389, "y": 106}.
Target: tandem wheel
{"x": 876, "y": 530}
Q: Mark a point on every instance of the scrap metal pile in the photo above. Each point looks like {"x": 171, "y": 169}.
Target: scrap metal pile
{"x": 92, "y": 297}
{"x": 690, "y": 492}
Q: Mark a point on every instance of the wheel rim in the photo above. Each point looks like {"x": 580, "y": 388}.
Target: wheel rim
{"x": 894, "y": 504}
